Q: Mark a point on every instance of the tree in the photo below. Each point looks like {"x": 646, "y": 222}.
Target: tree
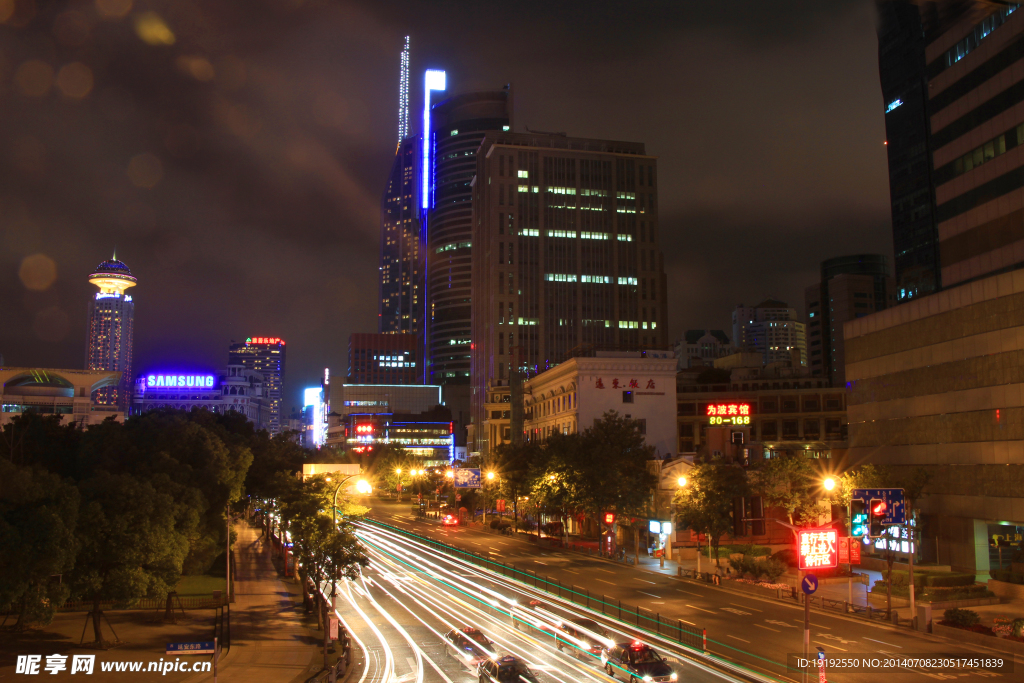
{"x": 133, "y": 539}
{"x": 791, "y": 482}
{"x": 705, "y": 504}
{"x": 38, "y": 514}
{"x": 515, "y": 465}
{"x": 556, "y": 477}
{"x": 388, "y": 460}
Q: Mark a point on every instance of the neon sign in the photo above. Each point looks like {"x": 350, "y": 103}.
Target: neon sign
{"x": 729, "y": 413}
{"x": 364, "y": 429}
{"x": 818, "y": 548}
{"x": 179, "y": 381}
{"x": 264, "y": 340}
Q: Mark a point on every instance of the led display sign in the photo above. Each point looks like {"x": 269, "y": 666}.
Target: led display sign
{"x": 609, "y": 518}
{"x": 818, "y": 548}
{"x": 729, "y": 413}
{"x": 264, "y": 340}
{"x": 433, "y": 79}
{"x": 364, "y": 429}
{"x": 179, "y": 381}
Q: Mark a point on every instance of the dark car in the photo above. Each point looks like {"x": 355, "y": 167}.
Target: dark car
{"x": 582, "y": 635}
{"x": 507, "y": 669}
{"x": 637, "y": 662}
{"x": 470, "y": 644}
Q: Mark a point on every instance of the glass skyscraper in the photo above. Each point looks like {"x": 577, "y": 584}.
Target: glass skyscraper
{"x": 265, "y": 355}
{"x": 111, "y": 330}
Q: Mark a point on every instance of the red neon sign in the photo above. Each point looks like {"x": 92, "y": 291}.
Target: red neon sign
{"x": 818, "y": 548}
{"x": 364, "y": 429}
{"x": 728, "y": 409}
{"x": 609, "y": 518}
{"x": 265, "y": 340}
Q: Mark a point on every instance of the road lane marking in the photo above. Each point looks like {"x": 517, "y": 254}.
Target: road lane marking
{"x": 768, "y": 629}
{"x": 651, "y": 594}
{"x": 735, "y": 611}
{"x": 539, "y": 562}
{"x": 646, "y": 581}
{"x": 779, "y": 623}
{"x": 572, "y": 571}
{"x": 695, "y": 607}
{"x": 800, "y": 621}
{"x": 737, "y": 638}
{"x": 834, "y": 647}
{"x": 746, "y": 606}
{"x": 607, "y": 571}
{"x": 882, "y": 642}
{"x": 689, "y": 593}
{"x": 687, "y": 622}
{"x": 608, "y": 582}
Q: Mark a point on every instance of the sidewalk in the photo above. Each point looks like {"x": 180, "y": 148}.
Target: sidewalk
{"x": 269, "y": 636}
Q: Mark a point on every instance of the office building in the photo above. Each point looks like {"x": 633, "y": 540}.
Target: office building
{"x": 569, "y": 398}
{"x": 427, "y": 436}
{"x": 72, "y": 394}
{"x": 383, "y": 359}
{"x": 402, "y": 249}
{"x": 700, "y": 348}
{"x": 239, "y": 390}
{"x": 111, "y": 330}
{"x": 384, "y": 398}
{"x": 566, "y": 256}
{"x": 850, "y": 287}
{"x": 903, "y": 75}
{"x": 771, "y": 329}
{"x": 457, "y": 127}
{"x": 265, "y": 355}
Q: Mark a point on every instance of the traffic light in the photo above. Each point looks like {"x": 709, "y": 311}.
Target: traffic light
{"x": 609, "y": 518}
{"x": 858, "y": 518}
{"x": 877, "y": 514}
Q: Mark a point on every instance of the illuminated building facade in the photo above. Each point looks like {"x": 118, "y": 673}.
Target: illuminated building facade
{"x": 383, "y": 359}
{"x": 428, "y": 436}
{"x": 772, "y": 329}
{"x": 265, "y": 355}
{"x": 457, "y": 127}
{"x": 111, "y": 330}
{"x": 240, "y": 390}
{"x": 70, "y": 394}
{"x": 566, "y": 256}
{"x": 402, "y": 250}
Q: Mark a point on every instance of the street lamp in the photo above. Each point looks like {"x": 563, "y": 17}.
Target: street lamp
{"x": 829, "y": 483}
{"x": 682, "y": 481}
{"x": 362, "y": 486}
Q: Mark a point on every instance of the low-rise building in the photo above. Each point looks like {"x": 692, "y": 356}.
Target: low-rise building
{"x": 427, "y": 435}
{"x": 700, "y": 348}
{"x": 497, "y": 425}
{"x": 639, "y": 385}
{"x": 68, "y": 393}
{"x": 239, "y": 390}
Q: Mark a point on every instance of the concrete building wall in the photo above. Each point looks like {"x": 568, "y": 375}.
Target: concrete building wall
{"x": 937, "y": 383}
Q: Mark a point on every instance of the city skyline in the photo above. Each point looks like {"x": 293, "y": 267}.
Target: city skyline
{"x": 189, "y": 251}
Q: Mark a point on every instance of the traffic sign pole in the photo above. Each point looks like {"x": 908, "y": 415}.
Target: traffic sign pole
{"x": 807, "y": 631}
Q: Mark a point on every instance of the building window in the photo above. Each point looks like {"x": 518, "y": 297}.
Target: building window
{"x": 641, "y": 425}
{"x": 769, "y": 430}
{"x": 627, "y": 396}
{"x": 769, "y": 405}
{"x": 790, "y": 429}
{"x": 812, "y": 429}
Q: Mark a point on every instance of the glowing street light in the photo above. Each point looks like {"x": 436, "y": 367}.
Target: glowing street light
{"x": 682, "y": 481}
{"x": 398, "y": 470}
{"x": 830, "y": 483}
{"x": 450, "y": 474}
{"x": 363, "y": 487}
{"x": 490, "y": 475}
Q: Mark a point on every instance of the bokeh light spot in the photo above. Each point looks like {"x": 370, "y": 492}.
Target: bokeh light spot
{"x": 145, "y": 170}
{"x": 51, "y": 324}
{"x": 34, "y": 78}
{"x": 197, "y": 67}
{"x": 113, "y": 9}
{"x": 153, "y": 30}
{"x": 37, "y": 272}
{"x": 75, "y": 80}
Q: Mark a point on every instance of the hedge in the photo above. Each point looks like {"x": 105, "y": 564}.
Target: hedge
{"x": 935, "y": 579}
{"x": 1007, "y": 576}
{"x": 725, "y": 550}
{"x": 935, "y": 594}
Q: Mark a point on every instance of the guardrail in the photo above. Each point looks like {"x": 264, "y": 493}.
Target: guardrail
{"x": 193, "y": 602}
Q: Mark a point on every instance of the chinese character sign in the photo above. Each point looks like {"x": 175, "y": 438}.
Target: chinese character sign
{"x": 818, "y": 548}
{"x": 729, "y": 413}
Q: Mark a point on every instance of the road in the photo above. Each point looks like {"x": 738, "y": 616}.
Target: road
{"x": 756, "y": 634}
{"x": 411, "y": 596}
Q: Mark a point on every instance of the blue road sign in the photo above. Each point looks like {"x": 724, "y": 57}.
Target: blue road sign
{"x": 205, "y": 647}
{"x": 468, "y": 478}
{"x": 895, "y": 503}
{"x": 809, "y": 584}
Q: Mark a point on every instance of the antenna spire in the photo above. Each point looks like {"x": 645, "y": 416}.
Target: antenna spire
{"x": 403, "y": 95}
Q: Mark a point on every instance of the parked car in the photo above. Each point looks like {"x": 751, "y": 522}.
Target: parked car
{"x": 470, "y": 644}
{"x": 582, "y": 635}
{"x": 638, "y": 662}
{"x": 507, "y": 669}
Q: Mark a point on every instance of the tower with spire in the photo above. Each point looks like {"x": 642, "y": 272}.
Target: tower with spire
{"x": 111, "y": 330}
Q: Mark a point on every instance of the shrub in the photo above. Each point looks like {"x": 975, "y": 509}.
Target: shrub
{"x": 772, "y": 569}
{"x": 901, "y": 578}
{"x": 961, "y": 618}
{"x": 1008, "y": 576}
{"x": 769, "y": 569}
{"x": 786, "y": 556}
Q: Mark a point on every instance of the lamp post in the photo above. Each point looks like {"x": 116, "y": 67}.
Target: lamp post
{"x": 682, "y": 481}
{"x": 364, "y": 487}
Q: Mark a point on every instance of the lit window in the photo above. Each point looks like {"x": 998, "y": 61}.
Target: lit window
{"x": 524, "y": 174}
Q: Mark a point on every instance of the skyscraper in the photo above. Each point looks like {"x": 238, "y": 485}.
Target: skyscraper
{"x": 565, "y": 255}
{"x": 383, "y": 359}
{"x": 457, "y": 127}
{"x": 772, "y": 329}
{"x": 111, "y": 330}
{"x": 265, "y": 355}
{"x": 851, "y": 287}
{"x": 902, "y": 71}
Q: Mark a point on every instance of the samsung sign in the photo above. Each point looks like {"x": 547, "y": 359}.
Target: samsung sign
{"x": 178, "y": 381}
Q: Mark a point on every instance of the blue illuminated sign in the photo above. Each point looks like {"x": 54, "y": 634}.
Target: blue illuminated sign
{"x": 892, "y": 105}
{"x": 467, "y": 478}
{"x": 179, "y": 381}
{"x": 434, "y": 79}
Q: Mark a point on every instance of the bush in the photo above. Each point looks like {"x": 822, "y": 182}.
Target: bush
{"x": 961, "y": 618}
{"x": 1008, "y": 576}
{"x": 726, "y": 550}
{"x": 769, "y": 569}
{"x": 935, "y": 593}
{"x": 500, "y": 524}
{"x": 552, "y": 528}
{"x": 901, "y": 578}
{"x": 787, "y": 557}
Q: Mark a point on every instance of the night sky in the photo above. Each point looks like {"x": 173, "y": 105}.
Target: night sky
{"x": 234, "y": 153}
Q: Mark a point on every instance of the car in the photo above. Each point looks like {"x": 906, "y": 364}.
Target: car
{"x": 582, "y": 635}
{"x": 470, "y": 644}
{"x": 506, "y": 669}
{"x": 637, "y": 661}
{"x": 450, "y": 520}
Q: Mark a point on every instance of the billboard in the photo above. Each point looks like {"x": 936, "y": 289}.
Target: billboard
{"x": 818, "y": 548}
{"x": 467, "y": 478}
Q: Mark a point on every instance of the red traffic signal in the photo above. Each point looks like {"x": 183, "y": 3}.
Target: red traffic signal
{"x": 609, "y": 518}
{"x": 877, "y": 512}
